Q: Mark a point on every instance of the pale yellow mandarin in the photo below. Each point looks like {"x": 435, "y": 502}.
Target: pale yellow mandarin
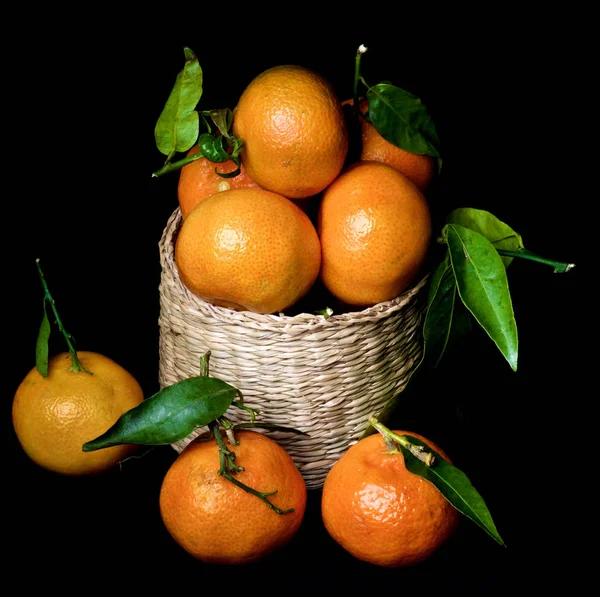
{"x": 54, "y": 416}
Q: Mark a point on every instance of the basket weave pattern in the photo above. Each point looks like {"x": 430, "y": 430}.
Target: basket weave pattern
{"x": 322, "y": 376}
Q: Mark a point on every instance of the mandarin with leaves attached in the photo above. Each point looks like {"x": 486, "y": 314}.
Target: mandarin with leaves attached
{"x": 200, "y": 179}
{"x": 54, "y": 416}
{"x": 382, "y": 513}
{"x": 419, "y": 168}
{"x": 218, "y": 522}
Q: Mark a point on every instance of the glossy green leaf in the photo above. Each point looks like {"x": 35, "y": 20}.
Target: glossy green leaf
{"x": 178, "y": 125}
{"x": 170, "y": 415}
{"x": 497, "y": 232}
{"x": 401, "y": 118}
{"x": 454, "y": 485}
{"x": 213, "y": 148}
{"x": 483, "y": 286}
{"x": 446, "y": 318}
{"x": 41, "y": 346}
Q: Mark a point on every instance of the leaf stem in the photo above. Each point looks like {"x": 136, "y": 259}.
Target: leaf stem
{"x": 263, "y": 496}
{"x": 204, "y": 360}
{"x": 226, "y": 456}
{"x": 228, "y": 468}
{"x": 172, "y": 166}
{"x": 357, "y": 78}
{"x": 253, "y": 412}
{"x": 227, "y": 425}
{"x": 76, "y": 365}
{"x": 559, "y": 267}
{"x": 417, "y": 451}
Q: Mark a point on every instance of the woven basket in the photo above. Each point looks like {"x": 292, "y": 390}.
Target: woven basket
{"x": 322, "y": 376}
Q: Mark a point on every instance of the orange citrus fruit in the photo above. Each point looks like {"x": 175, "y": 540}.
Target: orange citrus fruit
{"x": 54, "y": 416}
{"x": 199, "y": 179}
{"x": 220, "y": 523}
{"x": 419, "y": 168}
{"x": 379, "y": 511}
{"x": 374, "y": 226}
{"x": 248, "y": 249}
{"x": 294, "y": 131}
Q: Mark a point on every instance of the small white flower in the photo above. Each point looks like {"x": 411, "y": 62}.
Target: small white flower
{"x": 362, "y": 49}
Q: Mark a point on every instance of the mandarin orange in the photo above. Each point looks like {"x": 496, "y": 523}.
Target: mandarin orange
{"x": 294, "y": 131}
{"x": 248, "y": 249}
{"x": 220, "y": 523}
{"x": 379, "y": 511}
{"x": 199, "y": 179}
{"x": 419, "y": 168}
{"x": 374, "y": 226}
{"x": 54, "y": 416}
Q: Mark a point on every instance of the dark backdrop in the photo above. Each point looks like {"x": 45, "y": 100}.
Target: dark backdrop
{"x": 82, "y": 103}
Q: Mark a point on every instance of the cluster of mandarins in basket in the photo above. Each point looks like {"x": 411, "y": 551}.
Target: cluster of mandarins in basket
{"x": 318, "y": 199}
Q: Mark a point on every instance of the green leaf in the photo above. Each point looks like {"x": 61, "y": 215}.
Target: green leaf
{"x": 401, "y": 118}
{"x": 178, "y": 125}
{"x": 446, "y": 318}
{"x": 483, "y": 286}
{"x": 454, "y": 485}
{"x": 41, "y": 346}
{"x": 212, "y": 148}
{"x": 223, "y": 120}
{"x": 497, "y": 232}
{"x": 170, "y": 415}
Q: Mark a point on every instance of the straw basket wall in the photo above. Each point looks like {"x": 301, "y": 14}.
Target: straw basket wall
{"x": 322, "y": 376}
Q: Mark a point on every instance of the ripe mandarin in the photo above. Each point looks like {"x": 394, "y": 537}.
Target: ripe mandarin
{"x": 294, "y": 132}
{"x": 248, "y": 249}
{"x": 379, "y": 511}
{"x": 375, "y": 148}
{"x": 374, "y": 226}
{"x": 219, "y": 523}
{"x": 199, "y": 179}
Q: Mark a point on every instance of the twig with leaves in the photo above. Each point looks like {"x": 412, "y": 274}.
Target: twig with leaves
{"x": 177, "y": 410}
{"x": 451, "y": 482}
{"x": 41, "y": 348}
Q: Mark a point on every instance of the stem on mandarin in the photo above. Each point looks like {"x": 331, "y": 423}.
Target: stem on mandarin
{"x": 357, "y": 78}
{"x": 76, "y": 365}
{"x": 417, "y": 451}
{"x": 228, "y": 468}
{"x": 172, "y": 166}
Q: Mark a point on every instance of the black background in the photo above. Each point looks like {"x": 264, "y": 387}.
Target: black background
{"x": 508, "y": 96}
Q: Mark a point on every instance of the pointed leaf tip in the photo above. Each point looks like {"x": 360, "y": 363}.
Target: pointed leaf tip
{"x": 170, "y": 415}
{"x": 178, "y": 124}
{"x": 189, "y": 54}
{"x": 454, "y": 485}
